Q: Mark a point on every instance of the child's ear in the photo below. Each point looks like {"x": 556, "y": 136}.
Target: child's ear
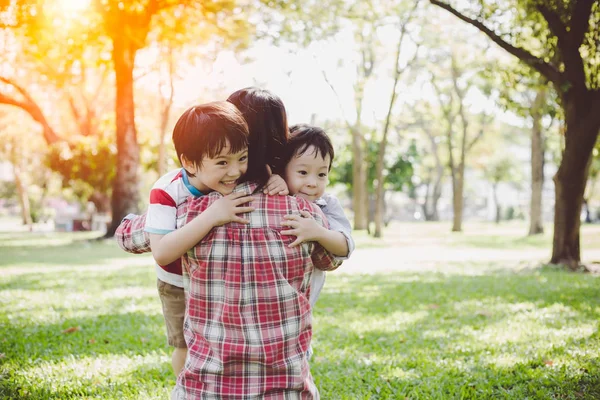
{"x": 188, "y": 165}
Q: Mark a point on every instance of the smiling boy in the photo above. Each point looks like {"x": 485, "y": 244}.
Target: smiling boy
{"x": 211, "y": 141}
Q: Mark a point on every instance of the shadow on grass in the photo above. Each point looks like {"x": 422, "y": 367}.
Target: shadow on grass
{"x": 14, "y": 387}
{"x": 70, "y": 278}
{"x": 530, "y": 380}
{"x": 131, "y": 333}
{"x": 82, "y": 252}
{"x": 385, "y": 365}
{"x": 410, "y": 292}
{"x": 434, "y": 336}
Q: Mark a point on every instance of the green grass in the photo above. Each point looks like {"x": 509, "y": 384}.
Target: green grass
{"x": 80, "y": 319}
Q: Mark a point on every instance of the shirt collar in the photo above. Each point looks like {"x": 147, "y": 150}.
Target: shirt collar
{"x": 186, "y": 181}
{"x": 246, "y": 187}
{"x": 321, "y": 202}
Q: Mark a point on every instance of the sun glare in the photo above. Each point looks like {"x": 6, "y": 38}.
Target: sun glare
{"x": 71, "y": 6}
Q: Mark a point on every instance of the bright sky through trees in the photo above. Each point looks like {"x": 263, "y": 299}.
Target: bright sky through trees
{"x": 72, "y": 6}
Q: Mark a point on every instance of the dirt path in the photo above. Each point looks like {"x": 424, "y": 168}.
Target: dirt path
{"x": 437, "y": 258}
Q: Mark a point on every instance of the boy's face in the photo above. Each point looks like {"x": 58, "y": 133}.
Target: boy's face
{"x": 221, "y": 173}
{"x": 307, "y": 175}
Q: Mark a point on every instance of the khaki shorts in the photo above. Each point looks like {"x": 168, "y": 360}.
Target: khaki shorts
{"x": 173, "y": 305}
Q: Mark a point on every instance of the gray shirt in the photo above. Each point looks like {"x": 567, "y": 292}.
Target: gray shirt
{"x": 331, "y": 207}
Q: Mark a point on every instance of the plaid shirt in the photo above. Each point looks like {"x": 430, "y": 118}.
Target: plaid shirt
{"x": 132, "y": 237}
{"x": 248, "y": 318}
{"x": 130, "y": 234}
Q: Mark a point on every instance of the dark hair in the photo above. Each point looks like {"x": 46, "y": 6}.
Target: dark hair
{"x": 204, "y": 130}
{"x": 303, "y": 136}
{"x": 267, "y": 122}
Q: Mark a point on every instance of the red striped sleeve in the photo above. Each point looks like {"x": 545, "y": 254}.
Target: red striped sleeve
{"x": 159, "y": 196}
{"x": 174, "y": 267}
{"x": 179, "y": 175}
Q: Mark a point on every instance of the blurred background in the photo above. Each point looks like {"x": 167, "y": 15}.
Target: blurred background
{"x": 439, "y": 111}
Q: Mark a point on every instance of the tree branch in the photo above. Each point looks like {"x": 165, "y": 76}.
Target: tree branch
{"x": 548, "y": 70}
{"x": 580, "y": 21}
{"x": 574, "y": 69}
{"x": 31, "y": 107}
{"x": 555, "y": 24}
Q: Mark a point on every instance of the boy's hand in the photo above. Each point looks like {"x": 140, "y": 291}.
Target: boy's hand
{"x": 226, "y": 209}
{"x": 276, "y": 185}
{"x": 304, "y": 227}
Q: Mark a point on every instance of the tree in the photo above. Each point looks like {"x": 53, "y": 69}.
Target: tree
{"x": 370, "y": 23}
{"x": 593, "y": 180}
{"x": 399, "y": 173}
{"x": 123, "y": 28}
{"x": 405, "y": 17}
{"x": 86, "y": 166}
{"x": 431, "y": 166}
{"x": 499, "y": 170}
{"x": 452, "y": 99}
{"x": 560, "y": 40}
{"x": 524, "y": 92}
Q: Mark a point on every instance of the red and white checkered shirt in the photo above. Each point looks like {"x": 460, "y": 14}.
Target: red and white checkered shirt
{"x": 248, "y": 318}
{"x": 130, "y": 234}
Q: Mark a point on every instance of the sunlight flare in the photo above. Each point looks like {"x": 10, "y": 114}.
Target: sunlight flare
{"x": 73, "y": 6}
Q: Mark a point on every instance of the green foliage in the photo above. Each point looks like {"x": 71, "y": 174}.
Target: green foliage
{"x": 8, "y": 190}
{"x": 522, "y": 23}
{"x": 398, "y": 171}
{"x": 86, "y": 165}
{"x": 502, "y": 169}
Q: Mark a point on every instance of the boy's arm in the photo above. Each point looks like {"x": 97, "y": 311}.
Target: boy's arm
{"x": 130, "y": 234}
{"x": 338, "y": 221}
{"x": 169, "y": 247}
{"x": 337, "y": 239}
{"x": 322, "y": 259}
{"x": 306, "y": 229}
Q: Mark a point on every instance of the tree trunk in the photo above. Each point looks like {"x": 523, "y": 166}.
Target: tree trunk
{"x": 166, "y": 105}
{"x": 101, "y": 202}
{"x": 497, "y": 203}
{"x": 23, "y": 198}
{"x": 587, "y": 211}
{"x": 360, "y": 200}
{"x": 379, "y": 209}
{"x": 570, "y": 179}
{"x": 457, "y": 198}
{"x": 536, "y": 225}
{"x": 437, "y": 194}
{"x": 431, "y": 207}
{"x": 125, "y": 195}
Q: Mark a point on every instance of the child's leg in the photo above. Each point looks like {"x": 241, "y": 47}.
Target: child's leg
{"x": 173, "y": 303}
{"x": 178, "y": 359}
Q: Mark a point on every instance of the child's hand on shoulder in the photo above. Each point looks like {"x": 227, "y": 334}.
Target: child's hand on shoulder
{"x": 304, "y": 227}
{"x": 226, "y": 209}
{"x": 276, "y": 185}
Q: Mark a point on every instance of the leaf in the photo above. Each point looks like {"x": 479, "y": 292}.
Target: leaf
{"x": 72, "y": 329}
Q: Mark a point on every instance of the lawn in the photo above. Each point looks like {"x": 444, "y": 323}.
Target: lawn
{"x": 81, "y": 319}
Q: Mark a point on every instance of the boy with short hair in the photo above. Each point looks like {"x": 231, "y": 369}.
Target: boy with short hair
{"x": 308, "y": 158}
{"x": 211, "y": 141}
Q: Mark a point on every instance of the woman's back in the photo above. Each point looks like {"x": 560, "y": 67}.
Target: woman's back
{"x": 248, "y": 324}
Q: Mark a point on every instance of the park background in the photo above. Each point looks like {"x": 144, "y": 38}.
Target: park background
{"x": 466, "y": 157}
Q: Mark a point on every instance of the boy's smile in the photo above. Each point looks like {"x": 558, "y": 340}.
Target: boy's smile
{"x": 221, "y": 173}
{"x": 307, "y": 174}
